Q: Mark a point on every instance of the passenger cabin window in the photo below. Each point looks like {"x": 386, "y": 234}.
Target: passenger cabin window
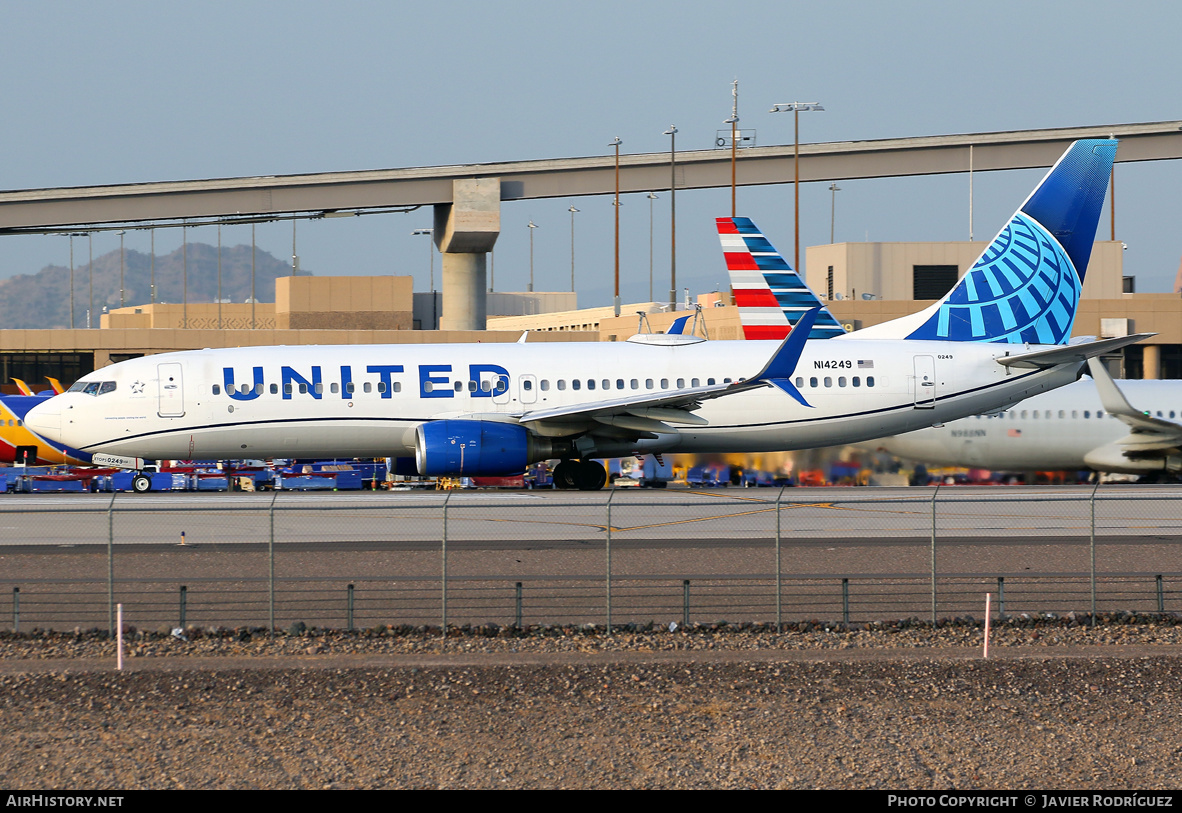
{"x": 217, "y": 389}
{"x": 274, "y": 389}
{"x": 869, "y": 381}
{"x": 545, "y": 384}
{"x": 526, "y": 385}
{"x": 561, "y": 384}
{"x": 576, "y": 384}
{"x": 368, "y": 386}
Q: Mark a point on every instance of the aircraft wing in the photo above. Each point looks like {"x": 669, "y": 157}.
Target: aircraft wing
{"x": 1068, "y": 353}
{"x": 1149, "y": 434}
{"x": 658, "y": 412}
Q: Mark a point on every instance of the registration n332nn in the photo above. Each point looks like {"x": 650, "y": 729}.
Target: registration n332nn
{"x": 999, "y": 336}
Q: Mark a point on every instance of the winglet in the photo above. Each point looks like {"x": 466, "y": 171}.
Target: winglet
{"x": 1111, "y": 398}
{"x": 779, "y": 369}
{"x": 678, "y": 326}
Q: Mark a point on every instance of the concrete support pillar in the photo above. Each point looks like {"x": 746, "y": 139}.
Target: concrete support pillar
{"x": 1151, "y": 361}
{"x": 465, "y": 231}
{"x": 464, "y": 290}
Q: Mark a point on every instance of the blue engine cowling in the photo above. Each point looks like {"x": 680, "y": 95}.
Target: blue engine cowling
{"x": 471, "y": 448}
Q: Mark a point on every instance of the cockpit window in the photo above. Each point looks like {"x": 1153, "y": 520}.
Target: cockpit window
{"x": 93, "y": 387}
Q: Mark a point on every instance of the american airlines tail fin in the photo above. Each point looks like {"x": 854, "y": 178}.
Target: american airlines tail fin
{"x": 1025, "y": 287}
{"x": 771, "y": 297}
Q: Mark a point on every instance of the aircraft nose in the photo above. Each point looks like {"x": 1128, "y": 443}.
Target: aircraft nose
{"x": 46, "y": 419}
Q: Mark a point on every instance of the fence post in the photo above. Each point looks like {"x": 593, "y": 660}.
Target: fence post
{"x": 845, "y": 601}
{"x": 1001, "y": 596}
{"x": 443, "y": 558}
{"x": 779, "y": 573}
{"x": 111, "y": 564}
{"x": 1161, "y": 599}
{"x": 271, "y": 568}
{"x": 517, "y": 614}
{"x": 934, "y": 493}
{"x": 349, "y": 610}
{"x": 1092, "y": 548}
{"x": 184, "y": 604}
{"x": 610, "y": 496}
{"x": 16, "y": 609}
{"x": 685, "y": 602}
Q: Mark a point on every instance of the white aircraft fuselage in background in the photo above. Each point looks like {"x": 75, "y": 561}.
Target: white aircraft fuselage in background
{"x": 1069, "y": 429}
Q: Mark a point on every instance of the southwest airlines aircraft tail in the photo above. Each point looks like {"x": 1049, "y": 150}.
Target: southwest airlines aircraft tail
{"x": 491, "y": 409}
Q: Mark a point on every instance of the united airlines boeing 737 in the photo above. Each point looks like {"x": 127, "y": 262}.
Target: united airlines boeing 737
{"x": 1000, "y": 336}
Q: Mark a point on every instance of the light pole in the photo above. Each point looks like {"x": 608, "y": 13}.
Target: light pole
{"x": 431, "y": 254}
{"x": 795, "y": 108}
{"x": 834, "y": 188}
{"x": 616, "y": 143}
{"x": 651, "y": 197}
{"x": 90, "y": 273}
{"x": 121, "y": 233}
{"x": 672, "y": 133}
{"x": 72, "y": 236}
{"x": 733, "y": 121}
{"x": 531, "y": 226}
{"x": 572, "y": 211}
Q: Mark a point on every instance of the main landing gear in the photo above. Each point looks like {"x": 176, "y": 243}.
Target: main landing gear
{"x": 585, "y": 475}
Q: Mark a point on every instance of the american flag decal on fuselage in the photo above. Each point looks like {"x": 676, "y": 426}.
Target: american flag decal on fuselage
{"x": 771, "y": 297}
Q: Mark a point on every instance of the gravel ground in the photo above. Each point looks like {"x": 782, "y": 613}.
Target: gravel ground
{"x": 890, "y": 706}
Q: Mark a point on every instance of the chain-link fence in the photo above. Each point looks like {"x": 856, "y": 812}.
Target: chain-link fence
{"x": 610, "y": 558}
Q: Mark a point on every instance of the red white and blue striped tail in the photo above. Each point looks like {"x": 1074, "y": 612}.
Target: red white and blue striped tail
{"x": 771, "y": 297}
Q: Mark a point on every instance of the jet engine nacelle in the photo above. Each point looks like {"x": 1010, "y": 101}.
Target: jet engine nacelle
{"x": 1112, "y": 458}
{"x": 474, "y": 448}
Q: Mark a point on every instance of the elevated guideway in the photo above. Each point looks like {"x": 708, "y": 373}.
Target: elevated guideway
{"x": 467, "y": 197}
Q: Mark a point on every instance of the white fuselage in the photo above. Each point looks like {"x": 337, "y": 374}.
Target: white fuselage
{"x": 1067, "y": 429}
{"x": 176, "y": 405}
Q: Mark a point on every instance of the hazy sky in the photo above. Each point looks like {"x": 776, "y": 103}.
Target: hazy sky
{"x": 121, "y": 91}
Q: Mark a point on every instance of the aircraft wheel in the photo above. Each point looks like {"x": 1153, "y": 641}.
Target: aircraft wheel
{"x": 141, "y": 484}
{"x": 590, "y": 476}
{"x": 564, "y": 474}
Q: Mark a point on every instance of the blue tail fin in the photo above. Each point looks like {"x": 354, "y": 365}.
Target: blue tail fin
{"x": 1025, "y": 287}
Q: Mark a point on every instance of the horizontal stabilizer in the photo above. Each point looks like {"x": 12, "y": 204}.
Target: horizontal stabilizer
{"x": 1072, "y": 352}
